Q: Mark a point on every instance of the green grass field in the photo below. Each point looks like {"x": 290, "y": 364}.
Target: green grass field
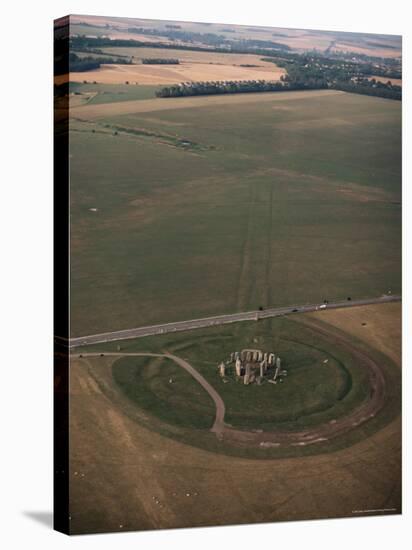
{"x": 162, "y": 386}
{"x": 275, "y": 203}
{"x": 112, "y": 93}
{"x": 313, "y": 393}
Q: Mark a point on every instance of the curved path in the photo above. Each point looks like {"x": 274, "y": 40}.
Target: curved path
{"x": 276, "y": 438}
{"x": 218, "y": 425}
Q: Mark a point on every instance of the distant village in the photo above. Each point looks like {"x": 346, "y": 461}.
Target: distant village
{"x": 252, "y": 366}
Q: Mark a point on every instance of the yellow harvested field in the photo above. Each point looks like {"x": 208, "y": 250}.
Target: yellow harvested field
{"x": 143, "y": 37}
{"x": 192, "y": 56}
{"x": 174, "y": 74}
{"x": 306, "y": 41}
{"x": 94, "y": 112}
{"x": 382, "y": 329}
{"x": 365, "y": 50}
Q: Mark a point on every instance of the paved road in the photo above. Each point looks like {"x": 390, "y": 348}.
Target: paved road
{"x": 220, "y": 320}
{"x": 218, "y": 424}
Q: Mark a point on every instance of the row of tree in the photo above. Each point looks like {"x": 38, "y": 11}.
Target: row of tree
{"x": 365, "y": 86}
{"x": 371, "y": 87}
{"x": 233, "y": 87}
{"x": 160, "y": 61}
{"x": 81, "y": 64}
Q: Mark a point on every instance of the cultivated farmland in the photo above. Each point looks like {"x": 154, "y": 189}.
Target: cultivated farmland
{"x": 297, "y": 39}
{"x": 169, "y": 74}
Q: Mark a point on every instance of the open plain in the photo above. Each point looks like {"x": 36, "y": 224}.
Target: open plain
{"x": 129, "y": 471}
{"x": 263, "y": 195}
{"x": 214, "y": 213}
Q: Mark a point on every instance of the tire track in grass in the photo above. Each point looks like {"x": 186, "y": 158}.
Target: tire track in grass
{"x": 260, "y": 256}
{"x": 244, "y": 281}
{"x": 268, "y": 293}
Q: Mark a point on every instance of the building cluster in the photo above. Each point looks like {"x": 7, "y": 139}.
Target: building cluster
{"x": 253, "y": 366}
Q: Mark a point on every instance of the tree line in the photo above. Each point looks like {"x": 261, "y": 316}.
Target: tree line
{"x": 371, "y": 87}
{"x": 160, "y": 61}
{"x": 365, "y": 86}
{"x": 81, "y": 64}
{"x": 231, "y": 87}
